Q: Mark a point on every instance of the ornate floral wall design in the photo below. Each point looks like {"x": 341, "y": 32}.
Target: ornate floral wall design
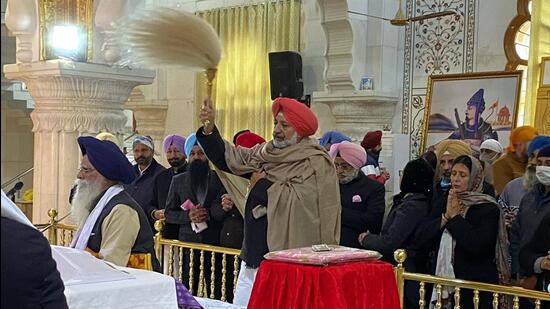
{"x": 435, "y": 46}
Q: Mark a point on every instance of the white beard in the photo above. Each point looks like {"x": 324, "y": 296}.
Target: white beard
{"x": 283, "y": 143}
{"x": 349, "y": 177}
{"x": 84, "y": 195}
{"x": 529, "y": 178}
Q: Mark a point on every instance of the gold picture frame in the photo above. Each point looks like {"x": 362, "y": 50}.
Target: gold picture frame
{"x": 447, "y": 91}
{"x": 77, "y": 13}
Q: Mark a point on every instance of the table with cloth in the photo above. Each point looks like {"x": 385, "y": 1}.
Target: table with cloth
{"x": 361, "y": 284}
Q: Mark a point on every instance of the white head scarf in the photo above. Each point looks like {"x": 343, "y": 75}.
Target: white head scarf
{"x": 11, "y": 211}
{"x": 493, "y": 145}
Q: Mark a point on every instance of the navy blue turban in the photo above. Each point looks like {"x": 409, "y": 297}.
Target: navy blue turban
{"x": 107, "y": 159}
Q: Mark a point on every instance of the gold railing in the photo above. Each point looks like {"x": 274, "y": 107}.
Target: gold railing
{"x": 210, "y": 281}
{"x": 58, "y": 233}
{"x": 497, "y": 291}
{"x": 204, "y": 280}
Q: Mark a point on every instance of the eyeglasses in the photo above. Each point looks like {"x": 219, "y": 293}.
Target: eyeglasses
{"x": 343, "y": 166}
{"x": 85, "y": 170}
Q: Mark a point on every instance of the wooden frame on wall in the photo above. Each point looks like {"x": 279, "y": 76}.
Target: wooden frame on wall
{"x": 522, "y": 16}
{"x": 449, "y": 94}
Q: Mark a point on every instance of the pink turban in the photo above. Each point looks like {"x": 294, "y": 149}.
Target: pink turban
{"x": 176, "y": 140}
{"x": 354, "y": 154}
{"x": 298, "y": 115}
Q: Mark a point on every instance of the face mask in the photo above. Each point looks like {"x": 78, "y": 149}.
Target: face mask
{"x": 543, "y": 175}
{"x": 488, "y": 158}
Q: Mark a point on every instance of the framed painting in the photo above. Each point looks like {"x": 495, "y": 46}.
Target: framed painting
{"x": 472, "y": 107}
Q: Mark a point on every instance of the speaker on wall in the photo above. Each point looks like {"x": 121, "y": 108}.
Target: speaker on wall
{"x": 285, "y": 75}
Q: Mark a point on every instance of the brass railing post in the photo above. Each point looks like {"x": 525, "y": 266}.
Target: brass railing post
{"x": 52, "y": 232}
{"x": 400, "y": 256}
{"x": 159, "y": 226}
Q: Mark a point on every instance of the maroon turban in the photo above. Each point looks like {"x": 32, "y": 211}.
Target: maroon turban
{"x": 372, "y": 139}
{"x": 298, "y": 115}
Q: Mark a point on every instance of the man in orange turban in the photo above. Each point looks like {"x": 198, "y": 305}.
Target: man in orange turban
{"x": 293, "y": 186}
{"x": 512, "y": 164}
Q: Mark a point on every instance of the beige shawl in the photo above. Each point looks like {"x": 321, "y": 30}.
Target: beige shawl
{"x": 304, "y": 201}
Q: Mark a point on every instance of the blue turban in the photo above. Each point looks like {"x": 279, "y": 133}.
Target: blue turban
{"x": 107, "y": 159}
{"x": 477, "y": 101}
{"x": 544, "y": 152}
{"x": 538, "y": 142}
{"x": 189, "y": 143}
{"x": 333, "y": 137}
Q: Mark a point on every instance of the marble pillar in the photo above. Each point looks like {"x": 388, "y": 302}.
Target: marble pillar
{"x": 71, "y": 99}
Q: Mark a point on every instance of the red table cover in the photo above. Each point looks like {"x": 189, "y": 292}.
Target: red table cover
{"x": 353, "y": 285}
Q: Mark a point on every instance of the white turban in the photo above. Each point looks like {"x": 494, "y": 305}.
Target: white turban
{"x": 493, "y": 145}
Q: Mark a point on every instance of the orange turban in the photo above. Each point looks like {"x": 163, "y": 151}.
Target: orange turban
{"x": 521, "y": 135}
{"x": 298, "y": 115}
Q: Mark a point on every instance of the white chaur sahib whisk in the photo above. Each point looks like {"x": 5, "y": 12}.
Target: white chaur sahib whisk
{"x": 164, "y": 37}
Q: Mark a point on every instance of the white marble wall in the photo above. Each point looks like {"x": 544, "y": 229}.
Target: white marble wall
{"x": 493, "y": 17}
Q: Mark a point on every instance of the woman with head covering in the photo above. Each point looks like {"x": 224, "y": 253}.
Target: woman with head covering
{"x": 362, "y": 198}
{"x": 467, "y": 232}
{"x": 411, "y": 206}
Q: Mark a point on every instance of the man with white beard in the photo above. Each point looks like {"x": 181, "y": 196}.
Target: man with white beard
{"x": 293, "y": 186}
{"x": 111, "y": 225}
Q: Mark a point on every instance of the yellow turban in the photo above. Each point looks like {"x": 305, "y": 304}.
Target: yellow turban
{"x": 106, "y": 136}
{"x": 452, "y": 147}
{"x": 521, "y": 135}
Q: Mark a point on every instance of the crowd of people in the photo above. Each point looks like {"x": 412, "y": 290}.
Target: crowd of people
{"x": 481, "y": 216}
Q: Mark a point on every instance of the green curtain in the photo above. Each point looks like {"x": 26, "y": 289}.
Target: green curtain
{"x": 241, "y": 92}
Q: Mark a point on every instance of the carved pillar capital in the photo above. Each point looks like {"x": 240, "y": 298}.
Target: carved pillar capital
{"x": 71, "y": 99}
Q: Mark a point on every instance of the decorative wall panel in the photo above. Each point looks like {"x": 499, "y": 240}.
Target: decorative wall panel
{"x": 434, "y": 46}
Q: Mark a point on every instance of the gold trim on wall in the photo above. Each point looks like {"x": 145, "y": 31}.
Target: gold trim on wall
{"x": 59, "y": 12}
{"x": 466, "y": 76}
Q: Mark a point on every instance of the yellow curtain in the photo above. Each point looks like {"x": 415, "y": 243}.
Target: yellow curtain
{"x": 241, "y": 91}
{"x": 539, "y": 46}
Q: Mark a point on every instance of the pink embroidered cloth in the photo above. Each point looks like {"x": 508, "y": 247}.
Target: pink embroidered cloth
{"x": 337, "y": 254}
